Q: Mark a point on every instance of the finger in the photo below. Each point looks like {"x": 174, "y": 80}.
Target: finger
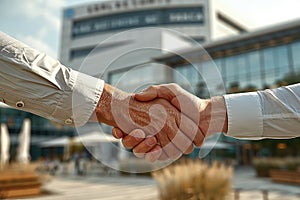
{"x": 199, "y": 139}
{"x": 117, "y": 133}
{"x": 191, "y": 130}
{"x": 165, "y": 142}
{"x": 139, "y": 155}
{"x": 153, "y": 154}
{"x": 172, "y": 151}
{"x": 149, "y": 94}
{"x": 144, "y": 146}
{"x": 189, "y": 150}
{"x": 163, "y": 156}
{"x": 133, "y": 139}
{"x": 182, "y": 142}
{"x": 163, "y": 139}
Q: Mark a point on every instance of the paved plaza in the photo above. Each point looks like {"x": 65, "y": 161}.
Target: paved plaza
{"x": 252, "y": 188}
{"x": 144, "y": 188}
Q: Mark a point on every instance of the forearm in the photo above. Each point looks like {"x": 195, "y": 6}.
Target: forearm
{"x": 281, "y": 112}
{"x": 36, "y": 83}
{"x": 265, "y": 114}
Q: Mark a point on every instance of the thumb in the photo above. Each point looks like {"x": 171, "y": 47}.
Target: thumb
{"x": 147, "y": 95}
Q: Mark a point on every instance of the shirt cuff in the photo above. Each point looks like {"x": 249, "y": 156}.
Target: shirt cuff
{"x": 244, "y": 115}
{"x": 86, "y": 94}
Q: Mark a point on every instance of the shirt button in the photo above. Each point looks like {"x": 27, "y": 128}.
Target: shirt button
{"x": 20, "y": 104}
{"x": 68, "y": 121}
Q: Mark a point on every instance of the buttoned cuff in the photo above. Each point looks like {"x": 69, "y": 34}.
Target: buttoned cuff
{"x": 78, "y": 100}
{"x": 86, "y": 93}
{"x": 244, "y": 115}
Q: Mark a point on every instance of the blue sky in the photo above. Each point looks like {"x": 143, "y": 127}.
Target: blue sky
{"x": 37, "y": 22}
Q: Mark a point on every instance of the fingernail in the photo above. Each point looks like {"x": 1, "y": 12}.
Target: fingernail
{"x": 114, "y": 133}
{"x": 138, "y": 134}
{"x": 138, "y": 155}
{"x": 150, "y": 141}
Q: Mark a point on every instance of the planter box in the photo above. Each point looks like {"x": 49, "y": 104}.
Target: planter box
{"x": 19, "y": 184}
{"x": 292, "y": 177}
{"x": 262, "y": 172}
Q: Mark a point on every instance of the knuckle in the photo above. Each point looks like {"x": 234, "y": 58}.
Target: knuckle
{"x": 174, "y": 86}
{"x": 198, "y": 143}
{"x": 152, "y": 87}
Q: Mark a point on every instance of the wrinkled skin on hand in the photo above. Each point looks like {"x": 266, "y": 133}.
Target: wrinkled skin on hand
{"x": 212, "y": 119}
{"x": 155, "y": 126}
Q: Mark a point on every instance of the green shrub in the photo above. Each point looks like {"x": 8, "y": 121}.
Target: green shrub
{"x": 264, "y": 165}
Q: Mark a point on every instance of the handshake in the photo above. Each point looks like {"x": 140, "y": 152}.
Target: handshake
{"x": 162, "y": 122}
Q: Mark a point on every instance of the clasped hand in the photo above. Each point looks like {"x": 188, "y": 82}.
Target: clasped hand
{"x": 161, "y": 123}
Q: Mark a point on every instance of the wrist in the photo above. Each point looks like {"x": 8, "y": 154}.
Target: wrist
{"x": 103, "y": 110}
{"x": 119, "y": 109}
{"x": 219, "y": 113}
{"x": 104, "y": 105}
{"x": 215, "y": 116}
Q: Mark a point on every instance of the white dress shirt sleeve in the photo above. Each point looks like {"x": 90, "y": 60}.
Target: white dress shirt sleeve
{"x": 36, "y": 83}
{"x": 264, "y": 114}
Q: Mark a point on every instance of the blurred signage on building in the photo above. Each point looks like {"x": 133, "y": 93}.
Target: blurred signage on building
{"x": 165, "y": 16}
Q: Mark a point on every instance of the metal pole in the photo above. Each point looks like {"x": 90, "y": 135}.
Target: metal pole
{"x": 237, "y": 192}
{"x": 265, "y": 194}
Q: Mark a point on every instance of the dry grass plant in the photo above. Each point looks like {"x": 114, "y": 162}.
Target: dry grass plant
{"x": 194, "y": 180}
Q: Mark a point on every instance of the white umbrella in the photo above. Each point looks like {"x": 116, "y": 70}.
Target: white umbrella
{"x": 94, "y": 138}
{"x": 58, "y": 142}
{"x": 23, "y": 154}
{"x": 5, "y": 144}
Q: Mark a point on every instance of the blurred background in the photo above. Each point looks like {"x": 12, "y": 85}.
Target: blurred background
{"x": 254, "y": 44}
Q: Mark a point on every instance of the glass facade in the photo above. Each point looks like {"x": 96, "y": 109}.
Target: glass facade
{"x": 256, "y": 69}
{"x": 188, "y": 77}
{"x": 40, "y": 126}
{"x": 137, "y": 78}
{"x": 41, "y": 129}
{"x": 245, "y": 71}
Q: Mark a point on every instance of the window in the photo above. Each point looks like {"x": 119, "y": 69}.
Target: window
{"x": 243, "y": 71}
{"x": 295, "y": 47}
{"x": 282, "y": 60}
{"x": 269, "y": 60}
{"x": 212, "y": 78}
{"x": 138, "y": 78}
{"x": 83, "y": 52}
{"x": 269, "y": 63}
{"x": 218, "y": 63}
{"x": 121, "y": 21}
{"x": 193, "y": 77}
{"x": 181, "y": 76}
{"x": 231, "y": 67}
{"x": 255, "y": 70}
